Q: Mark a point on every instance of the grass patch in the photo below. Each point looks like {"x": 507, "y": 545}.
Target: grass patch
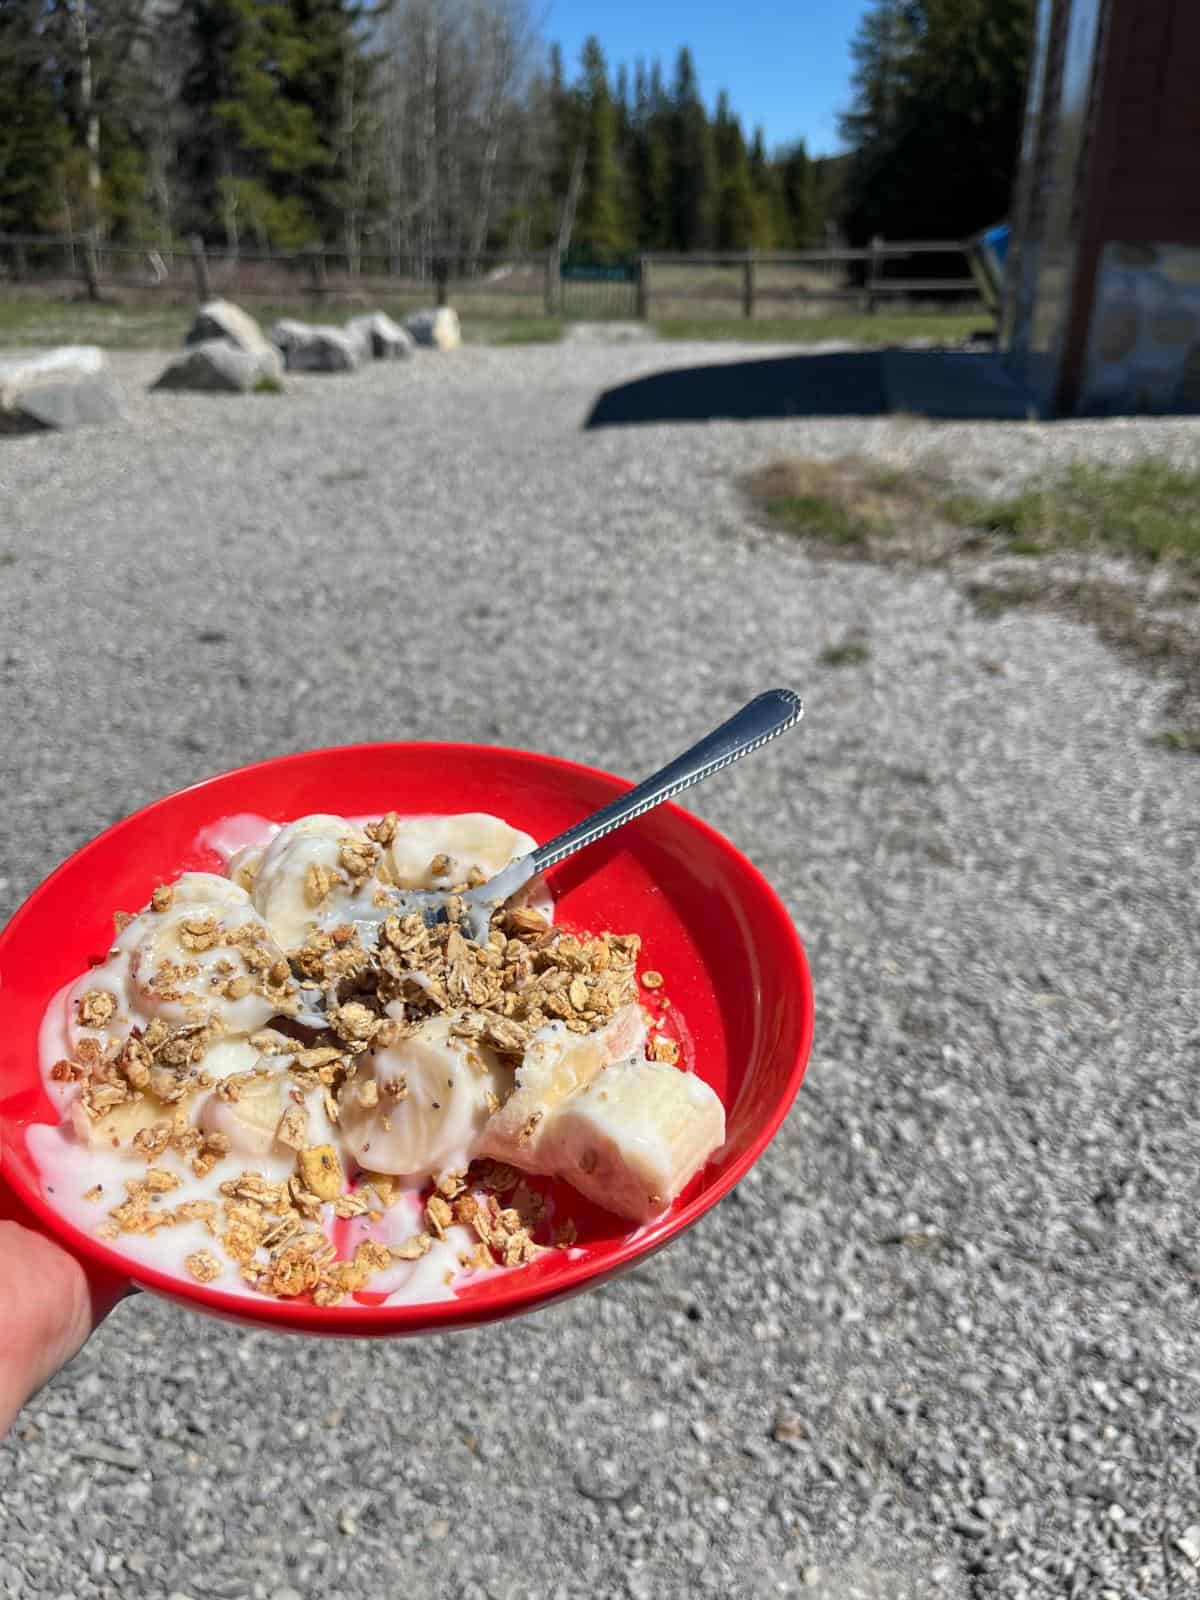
{"x": 853, "y": 653}
{"x": 268, "y": 385}
{"x": 127, "y": 324}
{"x": 847, "y": 503}
{"x": 1150, "y": 511}
{"x": 1147, "y": 513}
{"x": 889, "y": 327}
{"x": 1186, "y": 741}
{"x": 40, "y": 322}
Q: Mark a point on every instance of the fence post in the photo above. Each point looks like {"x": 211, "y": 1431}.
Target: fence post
{"x": 748, "y": 287}
{"x": 441, "y": 278}
{"x": 550, "y": 285}
{"x": 874, "y": 270}
{"x": 91, "y": 267}
{"x": 643, "y": 288}
{"x": 316, "y": 267}
{"x": 200, "y": 268}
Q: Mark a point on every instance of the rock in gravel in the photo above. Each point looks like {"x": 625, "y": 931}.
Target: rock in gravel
{"x": 59, "y": 389}
{"x": 221, "y": 319}
{"x": 435, "y": 329}
{"x": 384, "y": 339}
{"x": 606, "y": 1478}
{"x": 217, "y": 367}
{"x": 310, "y": 347}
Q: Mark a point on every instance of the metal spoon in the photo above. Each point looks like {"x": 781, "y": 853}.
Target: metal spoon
{"x": 762, "y": 719}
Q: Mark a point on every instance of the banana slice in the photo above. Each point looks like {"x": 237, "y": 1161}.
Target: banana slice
{"x": 182, "y": 966}
{"x": 251, "y": 1122}
{"x": 188, "y": 937}
{"x": 309, "y": 875}
{"x": 556, "y": 1065}
{"x": 115, "y": 1130}
{"x": 634, "y": 1137}
{"x": 417, "y": 1107}
{"x": 471, "y": 839}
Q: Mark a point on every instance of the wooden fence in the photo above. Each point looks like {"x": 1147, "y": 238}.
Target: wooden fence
{"x": 775, "y": 284}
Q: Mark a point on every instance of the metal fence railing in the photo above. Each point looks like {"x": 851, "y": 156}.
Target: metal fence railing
{"x": 654, "y": 285}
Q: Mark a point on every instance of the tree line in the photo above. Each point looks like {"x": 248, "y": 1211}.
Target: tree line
{"x": 405, "y": 128}
{"x": 401, "y": 128}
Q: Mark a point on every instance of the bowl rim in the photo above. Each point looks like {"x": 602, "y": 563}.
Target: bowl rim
{"x": 523, "y": 1293}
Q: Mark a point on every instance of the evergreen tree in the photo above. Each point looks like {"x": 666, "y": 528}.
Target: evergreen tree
{"x": 33, "y": 130}
{"x": 799, "y": 223}
{"x": 769, "y": 228}
{"x": 693, "y": 175}
{"x": 934, "y": 126}
{"x": 599, "y": 226}
{"x": 735, "y": 211}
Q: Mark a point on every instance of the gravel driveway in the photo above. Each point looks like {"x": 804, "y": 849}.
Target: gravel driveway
{"x": 943, "y": 1341}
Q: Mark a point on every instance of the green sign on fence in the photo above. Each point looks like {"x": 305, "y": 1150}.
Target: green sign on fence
{"x": 598, "y": 272}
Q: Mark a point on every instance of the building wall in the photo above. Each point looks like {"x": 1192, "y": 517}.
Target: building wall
{"x": 1056, "y": 149}
{"x": 1103, "y": 312}
{"x": 1134, "y": 344}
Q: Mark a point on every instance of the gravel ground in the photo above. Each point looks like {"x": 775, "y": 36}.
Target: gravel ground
{"x": 943, "y": 1341}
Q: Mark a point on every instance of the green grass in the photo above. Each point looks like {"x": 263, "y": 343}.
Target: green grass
{"x": 853, "y": 653}
{"x": 817, "y": 516}
{"x": 1150, "y": 511}
{"x": 152, "y": 326}
{"x": 268, "y": 385}
{"x": 42, "y": 322}
{"x": 1183, "y": 740}
{"x": 887, "y": 327}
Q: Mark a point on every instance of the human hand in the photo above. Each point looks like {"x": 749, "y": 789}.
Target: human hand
{"x": 49, "y": 1304}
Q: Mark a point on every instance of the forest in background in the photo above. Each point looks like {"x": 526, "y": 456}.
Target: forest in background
{"x": 407, "y": 128}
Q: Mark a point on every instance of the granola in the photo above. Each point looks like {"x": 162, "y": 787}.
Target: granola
{"x": 293, "y": 1162}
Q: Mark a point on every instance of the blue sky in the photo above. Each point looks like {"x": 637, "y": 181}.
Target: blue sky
{"x": 784, "y": 65}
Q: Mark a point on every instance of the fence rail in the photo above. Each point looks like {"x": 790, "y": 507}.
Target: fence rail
{"x": 652, "y": 284}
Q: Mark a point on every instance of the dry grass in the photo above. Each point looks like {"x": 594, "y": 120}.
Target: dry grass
{"x": 1052, "y": 547}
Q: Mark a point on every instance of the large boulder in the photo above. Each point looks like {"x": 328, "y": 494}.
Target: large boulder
{"x": 385, "y": 340}
{"x": 310, "y": 348}
{"x": 221, "y": 319}
{"x": 59, "y": 389}
{"x": 217, "y": 367}
{"x": 437, "y": 329}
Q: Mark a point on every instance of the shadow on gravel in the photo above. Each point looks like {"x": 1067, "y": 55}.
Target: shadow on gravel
{"x": 946, "y": 384}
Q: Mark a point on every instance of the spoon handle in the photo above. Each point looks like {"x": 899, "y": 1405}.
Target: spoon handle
{"x": 763, "y": 719}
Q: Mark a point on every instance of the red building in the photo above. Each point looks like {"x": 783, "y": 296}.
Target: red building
{"x": 1102, "y": 309}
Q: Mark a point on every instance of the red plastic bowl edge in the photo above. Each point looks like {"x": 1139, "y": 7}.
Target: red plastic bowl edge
{"x": 439, "y": 1316}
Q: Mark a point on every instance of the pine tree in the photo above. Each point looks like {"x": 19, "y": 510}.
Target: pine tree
{"x": 599, "y": 226}
{"x": 769, "y": 228}
{"x": 735, "y": 210}
{"x": 693, "y": 174}
{"x": 933, "y": 129}
{"x": 33, "y": 130}
{"x": 799, "y": 224}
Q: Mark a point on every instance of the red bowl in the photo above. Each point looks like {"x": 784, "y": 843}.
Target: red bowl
{"x": 736, "y": 976}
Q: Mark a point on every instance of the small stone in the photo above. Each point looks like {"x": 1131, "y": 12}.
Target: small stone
{"x": 436, "y": 329}
{"x": 789, "y": 1427}
{"x": 606, "y": 1480}
{"x": 382, "y": 339}
{"x": 1188, "y": 1542}
{"x": 221, "y": 319}
{"x": 971, "y": 1528}
{"x": 58, "y": 389}
{"x": 347, "y": 1523}
{"x": 811, "y": 1576}
{"x": 308, "y": 348}
{"x": 218, "y": 367}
